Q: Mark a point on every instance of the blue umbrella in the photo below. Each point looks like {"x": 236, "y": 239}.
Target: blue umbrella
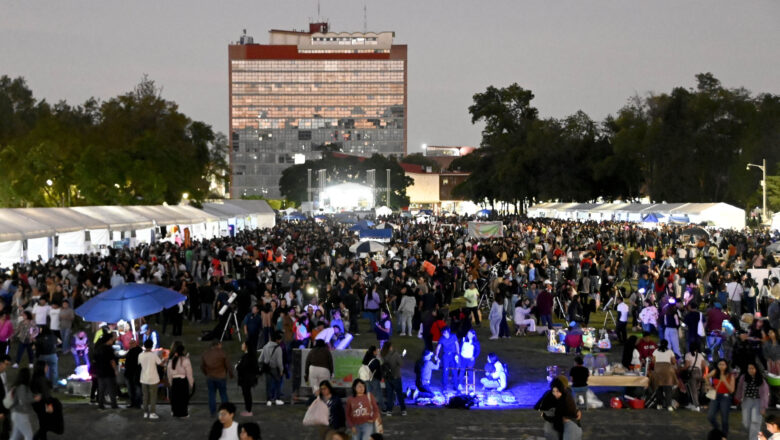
{"x": 129, "y": 301}
{"x": 484, "y": 212}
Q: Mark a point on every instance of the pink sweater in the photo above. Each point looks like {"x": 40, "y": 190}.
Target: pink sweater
{"x": 6, "y": 330}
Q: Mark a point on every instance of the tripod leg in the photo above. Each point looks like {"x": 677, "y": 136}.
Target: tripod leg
{"x": 238, "y": 329}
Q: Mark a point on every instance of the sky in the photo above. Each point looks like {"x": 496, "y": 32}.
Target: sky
{"x": 573, "y": 54}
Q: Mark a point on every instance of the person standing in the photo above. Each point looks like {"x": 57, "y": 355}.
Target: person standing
{"x": 391, "y": 368}
{"x": 671, "y": 328}
{"x": 273, "y": 356}
{"x": 383, "y": 328}
{"x": 362, "y": 412}
{"x": 472, "y": 301}
{"x": 54, "y": 320}
{"x": 753, "y": 392}
{"x": 448, "y": 350}
{"x": 150, "y": 379}
{"x": 723, "y": 382}
{"x": 105, "y": 369}
{"x": 695, "y": 363}
{"x": 6, "y": 332}
{"x": 133, "y": 374}
{"x": 469, "y": 351}
{"x": 406, "y": 313}
{"x": 247, "y": 371}
{"x": 182, "y": 380}
{"x": 665, "y": 373}
{"x": 46, "y": 350}
{"x": 25, "y": 333}
{"x": 319, "y": 365}
{"x": 252, "y": 325}
{"x": 66, "y": 325}
{"x": 374, "y": 382}
{"x": 622, "y": 323}
{"x": 544, "y": 305}
{"x": 214, "y": 364}
{"x": 41, "y": 312}
{"x": 21, "y": 408}
{"x": 5, "y": 414}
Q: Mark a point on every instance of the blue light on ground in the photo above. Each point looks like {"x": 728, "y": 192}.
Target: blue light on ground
{"x": 519, "y": 396}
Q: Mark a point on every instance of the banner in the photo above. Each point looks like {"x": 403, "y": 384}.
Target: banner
{"x": 346, "y": 364}
{"x": 486, "y": 229}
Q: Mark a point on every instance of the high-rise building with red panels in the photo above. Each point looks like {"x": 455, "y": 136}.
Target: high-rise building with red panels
{"x": 308, "y": 91}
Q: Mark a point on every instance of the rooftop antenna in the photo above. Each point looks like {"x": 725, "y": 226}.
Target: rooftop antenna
{"x": 365, "y": 18}
{"x": 318, "y": 10}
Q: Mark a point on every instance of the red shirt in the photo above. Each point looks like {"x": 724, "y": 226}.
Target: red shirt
{"x": 436, "y": 329}
{"x": 645, "y": 347}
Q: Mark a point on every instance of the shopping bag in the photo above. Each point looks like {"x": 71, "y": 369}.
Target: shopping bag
{"x": 317, "y": 414}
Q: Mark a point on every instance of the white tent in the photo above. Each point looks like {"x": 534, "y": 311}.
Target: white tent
{"x": 775, "y": 222}
{"x": 721, "y": 215}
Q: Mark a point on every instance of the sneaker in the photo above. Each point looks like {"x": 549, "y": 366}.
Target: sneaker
{"x": 670, "y": 409}
{"x": 246, "y": 414}
{"x": 153, "y": 416}
{"x": 269, "y": 403}
{"x": 279, "y": 402}
{"x": 387, "y": 414}
{"x": 32, "y": 365}
{"x": 403, "y": 413}
{"x": 402, "y": 334}
{"x": 493, "y": 337}
{"x": 17, "y": 366}
{"x": 146, "y": 415}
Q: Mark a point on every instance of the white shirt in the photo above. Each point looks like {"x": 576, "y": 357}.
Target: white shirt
{"x": 622, "y": 309}
{"x": 54, "y": 319}
{"x": 230, "y": 433}
{"x": 40, "y": 313}
{"x": 149, "y": 361}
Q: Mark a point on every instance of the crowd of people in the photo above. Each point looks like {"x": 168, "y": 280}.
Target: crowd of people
{"x": 297, "y": 285}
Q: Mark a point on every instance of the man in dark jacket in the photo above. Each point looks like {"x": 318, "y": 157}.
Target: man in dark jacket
{"x": 133, "y": 374}
{"x": 105, "y": 369}
{"x": 544, "y": 304}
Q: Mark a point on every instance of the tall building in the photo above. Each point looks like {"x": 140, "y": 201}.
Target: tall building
{"x": 305, "y": 91}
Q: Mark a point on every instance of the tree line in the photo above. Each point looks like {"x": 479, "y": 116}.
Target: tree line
{"x": 133, "y": 149}
{"x": 689, "y": 145}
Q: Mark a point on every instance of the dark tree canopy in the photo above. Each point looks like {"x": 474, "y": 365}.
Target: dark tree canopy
{"x": 689, "y": 145}
{"x": 136, "y": 148}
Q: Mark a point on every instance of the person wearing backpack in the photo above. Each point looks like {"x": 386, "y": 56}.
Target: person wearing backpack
{"x": 370, "y": 372}
{"x": 391, "y": 373}
{"x": 272, "y": 365}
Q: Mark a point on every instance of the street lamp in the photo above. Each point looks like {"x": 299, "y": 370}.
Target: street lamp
{"x": 762, "y": 167}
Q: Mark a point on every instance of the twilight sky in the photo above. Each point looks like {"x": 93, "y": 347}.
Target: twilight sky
{"x": 589, "y": 55}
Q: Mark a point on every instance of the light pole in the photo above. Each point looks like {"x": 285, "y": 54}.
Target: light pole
{"x": 762, "y": 167}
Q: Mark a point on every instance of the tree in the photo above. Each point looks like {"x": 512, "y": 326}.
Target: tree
{"x": 136, "y": 148}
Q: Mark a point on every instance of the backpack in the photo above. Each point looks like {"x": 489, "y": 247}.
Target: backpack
{"x": 364, "y": 373}
{"x": 265, "y": 367}
{"x": 387, "y": 372}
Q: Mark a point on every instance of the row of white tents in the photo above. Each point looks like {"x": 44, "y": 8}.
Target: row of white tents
{"x": 720, "y": 215}
{"x": 27, "y": 234}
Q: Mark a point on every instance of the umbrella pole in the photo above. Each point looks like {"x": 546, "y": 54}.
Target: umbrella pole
{"x": 132, "y": 326}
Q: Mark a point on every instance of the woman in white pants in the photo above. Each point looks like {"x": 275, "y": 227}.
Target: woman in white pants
{"x": 406, "y": 313}
{"x": 496, "y": 313}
